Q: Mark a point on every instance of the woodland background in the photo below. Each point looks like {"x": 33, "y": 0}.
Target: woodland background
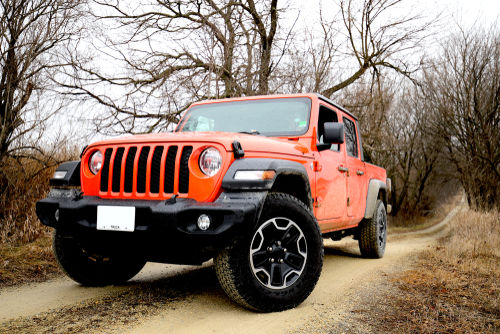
{"x": 426, "y": 91}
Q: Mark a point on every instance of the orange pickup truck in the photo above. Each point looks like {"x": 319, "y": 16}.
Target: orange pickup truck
{"x": 253, "y": 182}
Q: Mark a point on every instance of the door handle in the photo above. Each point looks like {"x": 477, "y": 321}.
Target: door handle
{"x": 360, "y": 172}
{"x": 343, "y": 169}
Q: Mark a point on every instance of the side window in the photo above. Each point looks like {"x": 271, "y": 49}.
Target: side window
{"x": 350, "y": 138}
{"x": 326, "y": 115}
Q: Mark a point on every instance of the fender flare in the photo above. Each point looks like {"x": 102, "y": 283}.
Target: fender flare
{"x": 69, "y": 175}
{"x": 374, "y": 188}
{"x": 280, "y": 166}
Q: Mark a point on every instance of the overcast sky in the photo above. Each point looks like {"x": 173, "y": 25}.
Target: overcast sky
{"x": 467, "y": 12}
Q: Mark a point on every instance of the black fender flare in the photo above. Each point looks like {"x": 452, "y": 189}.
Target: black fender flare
{"x": 280, "y": 166}
{"x": 67, "y": 174}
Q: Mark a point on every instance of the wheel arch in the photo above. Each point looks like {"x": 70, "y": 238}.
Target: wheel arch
{"x": 295, "y": 185}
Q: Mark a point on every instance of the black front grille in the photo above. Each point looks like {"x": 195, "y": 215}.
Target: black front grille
{"x": 105, "y": 169}
{"x": 129, "y": 169}
{"x": 117, "y": 166}
{"x": 154, "y": 184}
{"x": 135, "y": 169}
{"x": 184, "y": 170}
{"x": 142, "y": 169}
{"x": 170, "y": 169}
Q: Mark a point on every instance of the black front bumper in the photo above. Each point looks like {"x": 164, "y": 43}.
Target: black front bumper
{"x": 165, "y": 231}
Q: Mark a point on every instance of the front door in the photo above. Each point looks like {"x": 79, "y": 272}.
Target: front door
{"x": 330, "y": 182}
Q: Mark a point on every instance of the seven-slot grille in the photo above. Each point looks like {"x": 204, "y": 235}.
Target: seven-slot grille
{"x": 127, "y": 168}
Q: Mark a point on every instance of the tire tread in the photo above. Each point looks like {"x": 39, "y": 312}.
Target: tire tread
{"x": 368, "y": 235}
{"x": 229, "y": 272}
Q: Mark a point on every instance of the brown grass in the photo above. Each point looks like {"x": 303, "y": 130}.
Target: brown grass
{"x": 455, "y": 287}
{"x": 25, "y": 244}
{"x": 23, "y": 183}
{"x": 32, "y": 262}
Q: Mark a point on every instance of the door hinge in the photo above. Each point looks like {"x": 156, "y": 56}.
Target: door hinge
{"x": 348, "y": 201}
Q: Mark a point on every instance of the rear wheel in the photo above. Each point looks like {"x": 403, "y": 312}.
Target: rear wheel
{"x": 373, "y": 233}
{"x": 90, "y": 268}
{"x": 276, "y": 266}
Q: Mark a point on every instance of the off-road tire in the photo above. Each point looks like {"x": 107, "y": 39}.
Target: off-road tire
{"x": 373, "y": 233}
{"x": 233, "y": 265}
{"x": 90, "y": 269}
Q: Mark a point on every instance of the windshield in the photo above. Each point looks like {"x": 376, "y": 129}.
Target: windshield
{"x": 269, "y": 117}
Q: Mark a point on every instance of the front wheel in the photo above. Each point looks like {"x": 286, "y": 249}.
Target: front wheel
{"x": 91, "y": 268}
{"x": 373, "y": 233}
{"x": 277, "y": 265}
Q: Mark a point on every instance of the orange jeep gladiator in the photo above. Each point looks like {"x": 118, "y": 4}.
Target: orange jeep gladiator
{"x": 253, "y": 182}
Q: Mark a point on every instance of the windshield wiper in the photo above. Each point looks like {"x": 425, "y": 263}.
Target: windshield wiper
{"x": 253, "y": 132}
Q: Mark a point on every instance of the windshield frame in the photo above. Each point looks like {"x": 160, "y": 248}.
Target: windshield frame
{"x": 193, "y": 107}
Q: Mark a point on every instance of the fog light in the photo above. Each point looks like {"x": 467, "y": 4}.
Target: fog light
{"x": 56, "y": 215}
{"x": 203, "y": 222}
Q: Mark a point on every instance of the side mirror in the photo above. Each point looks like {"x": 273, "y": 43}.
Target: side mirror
{"x": 334, "y": 133}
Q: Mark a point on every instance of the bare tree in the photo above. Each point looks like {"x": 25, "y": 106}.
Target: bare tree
{"x": 266, "y": 40}
{"x": 464, "y": 87}
{"x": 361, "y": 38}
{"x": 32, "y": 34}
{"x": 311, "y": 64}
{"x": 396, "y": 135}
{"x": 377, "y": 39}
{"x": 176, "y": 52}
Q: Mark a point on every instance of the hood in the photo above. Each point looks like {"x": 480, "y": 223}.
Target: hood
{"x": 249, "y": 143}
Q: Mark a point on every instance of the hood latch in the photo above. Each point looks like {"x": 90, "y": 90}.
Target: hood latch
{"x": 237, "y": 150}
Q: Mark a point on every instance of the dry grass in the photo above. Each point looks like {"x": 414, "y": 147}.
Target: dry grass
{"x": 23, "y": 181}
{"x": 455, "y": 286}
{"x": 22, "y": 184}
{"x": 32, "y": 262}
{"x": 25, "y": 244}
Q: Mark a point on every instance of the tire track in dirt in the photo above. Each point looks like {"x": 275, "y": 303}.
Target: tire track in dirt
{"x": 31, "y": 299}
{"x": 180, "y": 299}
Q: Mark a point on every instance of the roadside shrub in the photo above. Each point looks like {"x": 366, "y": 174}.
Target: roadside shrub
{"x": 22, "y": 183}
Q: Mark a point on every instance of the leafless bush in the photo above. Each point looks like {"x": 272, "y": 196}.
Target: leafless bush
{"x": 23, "y": 181}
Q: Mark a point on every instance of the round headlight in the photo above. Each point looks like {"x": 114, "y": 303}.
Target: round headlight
{"x": 95, "y": 162}
{"x": 210, "y": 161}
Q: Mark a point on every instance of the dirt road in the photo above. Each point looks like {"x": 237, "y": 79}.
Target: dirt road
{"x": 184, "y": 299}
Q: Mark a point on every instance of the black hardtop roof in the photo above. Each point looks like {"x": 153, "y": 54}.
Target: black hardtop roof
{"x": 338, "y": 106}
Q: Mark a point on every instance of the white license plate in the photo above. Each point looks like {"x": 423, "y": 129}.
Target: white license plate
{"x": 116, "y": 218}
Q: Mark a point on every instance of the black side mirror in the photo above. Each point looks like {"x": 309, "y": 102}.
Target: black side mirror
{"x": 334, "y": 133}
